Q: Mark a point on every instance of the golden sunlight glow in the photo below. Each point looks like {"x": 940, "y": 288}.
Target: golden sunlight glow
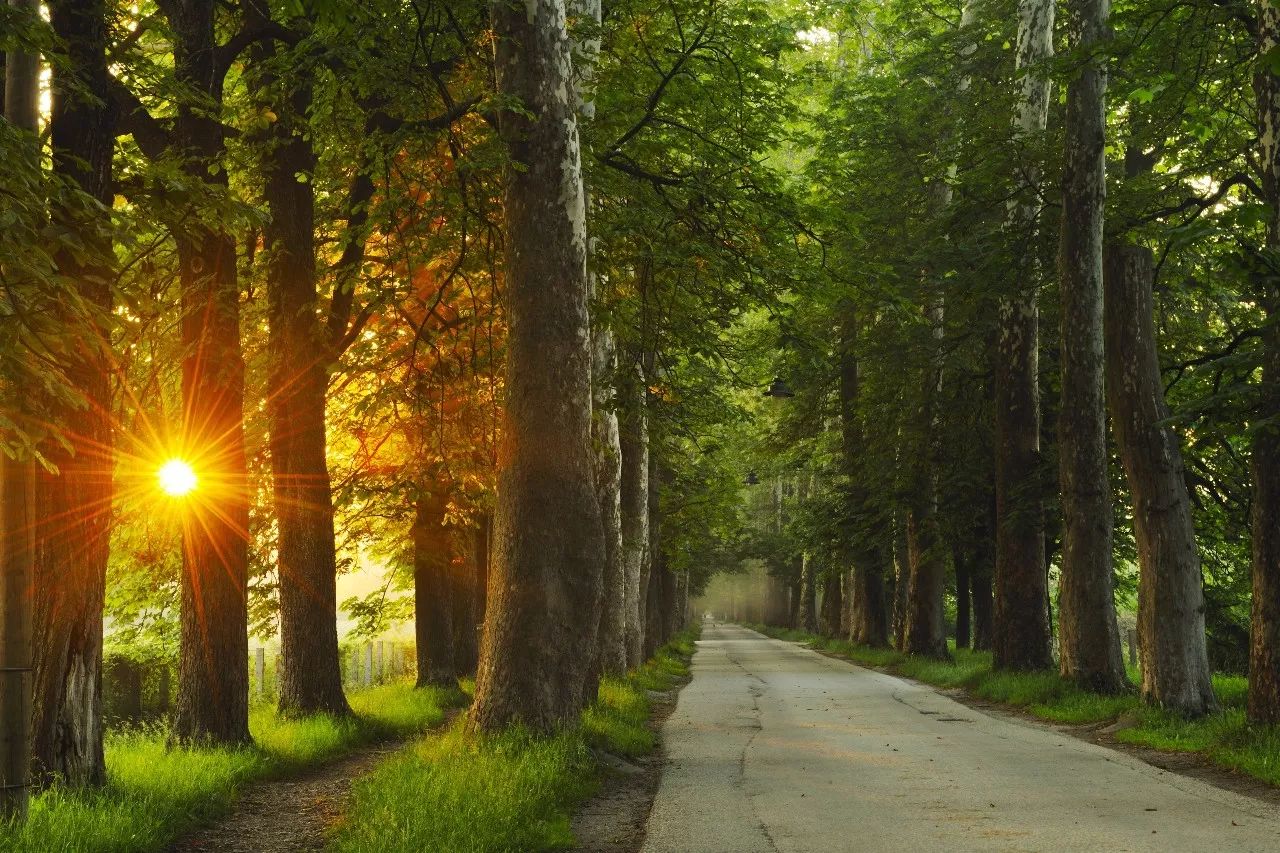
{"x": 177, "y": 478}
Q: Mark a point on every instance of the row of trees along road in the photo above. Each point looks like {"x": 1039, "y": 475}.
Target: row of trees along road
{"x": 392, "y": 297}
{"x": 1039, "y": 219}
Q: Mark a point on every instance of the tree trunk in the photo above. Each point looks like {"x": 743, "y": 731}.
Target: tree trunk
{"x": 634, "y": 506}
{"x": 433, "y": 604}
{"x": 611, "y": 645}
{"x": 807, "y": 618}
{"x": 832, "y": 602}
{"x": 17, "y": 505}
{"x": 74, "y": 505}
{"x": 549, "y": 548}
{"x": 17, "y": 570}
{"x": 468, "y": 610}
{"x": 980, "y": 579}
{"x": 213, "y": 678}
{"x": 960, "y": 559}
{"x": 297, "y": 382}
{"x": 657, "y": 563}
{"x": 1089, "y": 636}
{"x": 925, "y": 631}
{"x": 846, "y": 603}
{"x": 1022, "y": 640}
{"x": 867, "y": 624}
{"x": 1264, "y": 654}
{"x": 902, "y": 580}
{"x": 1175, "y": 665}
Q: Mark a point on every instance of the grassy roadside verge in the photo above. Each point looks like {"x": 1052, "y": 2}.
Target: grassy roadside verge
{"x": 155, "y": 793}
{"x": 512, "y": 791}
{"x": 1226, "y": 738}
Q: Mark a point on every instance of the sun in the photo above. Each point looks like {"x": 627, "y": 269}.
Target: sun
{"x": 176, "y": 478}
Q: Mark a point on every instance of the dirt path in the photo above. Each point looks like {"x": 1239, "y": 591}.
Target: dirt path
{"x": 777, "y": 748}
{"x": 288, "y": 815}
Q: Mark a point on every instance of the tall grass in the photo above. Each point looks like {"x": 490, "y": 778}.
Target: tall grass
{"x": 512, "y": 791}
{"x": 156, "y": 792}
{"x": 1225, "y": 737}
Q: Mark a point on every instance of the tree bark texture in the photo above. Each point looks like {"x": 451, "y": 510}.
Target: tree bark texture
{"x": 634, "y": 509}
{"x": 468, "y": 610}
{"x": 832, "y": 604}
{"x": 1264, "y": 649}
{"x": 653, "y": 615}
{"x": 867, "y": 613}
{"x": 213, "y": 676}
{"x": 1089, "y": 636}
{"x": 980, "y": 577}
{"x": 847, "y": 586}
{"x": 807, "y": 620}
{"x": 17, "y": 571}
{"x": 1021, "y": 639}
{"x": 548, "y": 540}
{"x": 901, "y": 580}
{"x": 74, "y": 505}
{"x": 1175, "y": 664}
{"x": 433, "y": 600}
{"x": 961, "y": 560}
{"x": 297, "y": 383}
{"x": 925, "y": 631}
{"x": 17, "y": 510}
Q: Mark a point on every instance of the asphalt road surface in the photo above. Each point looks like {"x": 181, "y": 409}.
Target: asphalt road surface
{"x": 773, "y": 747}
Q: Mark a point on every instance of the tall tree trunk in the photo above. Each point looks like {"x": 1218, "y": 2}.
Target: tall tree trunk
{"x": 611, "y": 645}
{"x": 433, "y": 605}
{"x": 867, "y": 624}
{"x": 832, "y": 603}
{"x": 925, "y": 628}
{"x": 849, "y": 587}
{"x": 17, "y": 510}
{"x": 902, "y": 580}
{"x": 469, "y": 575}
{"x": 17, "y": 570}
{"x": 213, "y": 677}
{"x": 1264, "y": 654}
{"x": 980, "y": 576}
{"x": 925, "y": 631}
{"x": 74, "y": 506}
{"x": 657, "y": 563}
{"x": 549, "y": 547}
{"x": 1022, "y": 640}
{"x": 808, "y": 617}
{"x": 960, "y": 558}
{"x": 1090, "y": 636}
{"x": 634, "y": 506}
{"x": 297, "y": 383}
{"x": 1175, "y": 665}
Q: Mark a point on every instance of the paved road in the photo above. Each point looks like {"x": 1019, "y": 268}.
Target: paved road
{"x": 776, "y": 748}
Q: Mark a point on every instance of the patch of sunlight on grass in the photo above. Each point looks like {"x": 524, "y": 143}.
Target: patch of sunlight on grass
{"x": 464, "y": 793}
{"x": 459, "y": 793}
{"x": 155, "y": 793}
{"x": 617, "y": 720}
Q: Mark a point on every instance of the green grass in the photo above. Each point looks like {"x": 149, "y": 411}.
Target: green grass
{"x": 1225, "y": 737}
{"x": 512, "y": 791}
{"x": 154, "y": 793}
